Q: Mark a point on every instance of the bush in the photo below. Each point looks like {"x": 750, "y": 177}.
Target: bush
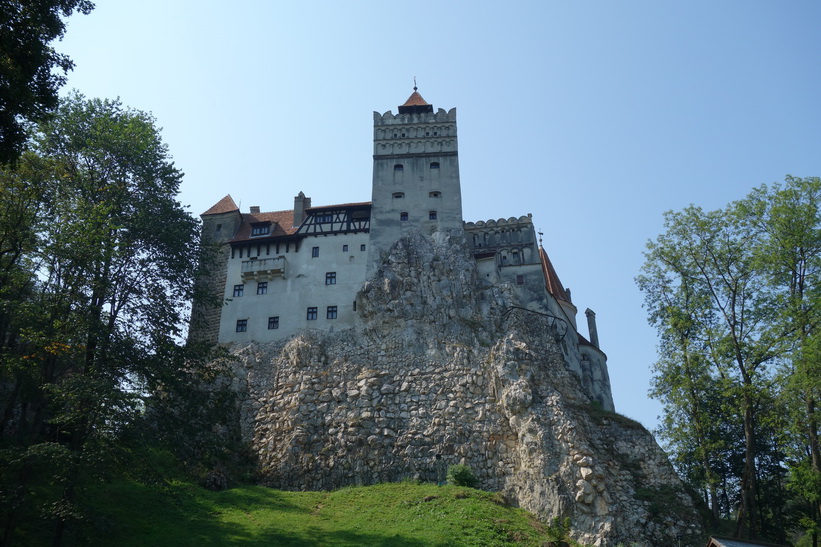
{"x": 461, "y": 475}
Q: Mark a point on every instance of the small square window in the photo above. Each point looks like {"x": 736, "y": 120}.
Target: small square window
{"x": 344, "y": 248}
{"x": 273, "y": 322}
{"x": 520, "y": 280}
{"x": 311, "y": 314}
{"x": 314, "y": 252}
{"x": 434, "y": 165}
{"x": 238, "y": 290}
{"x": 262, "y": 287}
{"x": 403, "y": 216}
{"x": 330, "y": 278}
{"x": 242, "y": 325}
{"x": 434, "y": 194}
{"x": 398, "y": 167}
{"x": 432, "y": 215}
{"x": 362, "y": 247}
{"x": 331, "y": 314}
{"x": 398, "y": 195}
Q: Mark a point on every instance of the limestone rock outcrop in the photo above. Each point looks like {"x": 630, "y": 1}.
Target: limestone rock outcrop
{"x": 441, "y": 364}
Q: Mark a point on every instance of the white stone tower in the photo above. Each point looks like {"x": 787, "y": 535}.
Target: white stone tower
{"x": 415, "y": 174}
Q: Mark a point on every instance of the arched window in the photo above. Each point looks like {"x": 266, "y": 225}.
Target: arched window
{"x": 431, "y": 215}
{"x": 398, "y": 195}
{"x": 403, "y": 216}
{"x": 398, "y": 167}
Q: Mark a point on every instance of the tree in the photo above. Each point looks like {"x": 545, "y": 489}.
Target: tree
{"x": 110, "y": 259}
{"x": 28, "y": 83}
{"x": 734, "y": 295}
{"x": 710, "y": 254}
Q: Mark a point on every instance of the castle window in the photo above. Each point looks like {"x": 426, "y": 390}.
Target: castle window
{"x": 219, "y": 228}
{"x": 260, "y": 229}
{"x": 403, "y": 216}
{"x": 520, "y": 279}
{"x": 434, "y": 194}
{"x": 311, "y": 314}
{"x": 330, "y": 278}
{"x": 273, "y": 322}
{"x": 238, "y": 290}
{"x": 314, "y": 252}
{"x": 362, "y": 247}
{"x": 398, "y": 195}
{"x": 242, "y": 325}
{"x": 331, "y": 313}
{"x": 432, "y": 215}
{"x": 434, "y": 165}
{"x": 262, "y": 287}
{"x": 354, "y": 305}
{"x": 344, "y": 248}
{"x": 398, "y": 167}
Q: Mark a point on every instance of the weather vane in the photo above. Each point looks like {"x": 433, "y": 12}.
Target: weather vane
{"x": 414, "y": 83}
{"x": 540, "y": 237}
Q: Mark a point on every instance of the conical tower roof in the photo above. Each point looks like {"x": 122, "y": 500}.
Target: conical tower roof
{"x": 415, "y": 104}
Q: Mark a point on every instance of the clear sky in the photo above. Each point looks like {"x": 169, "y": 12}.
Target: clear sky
{"x": 594, "y": 116}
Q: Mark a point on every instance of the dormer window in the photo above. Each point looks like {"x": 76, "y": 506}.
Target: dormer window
{"x": 260, "y": 229}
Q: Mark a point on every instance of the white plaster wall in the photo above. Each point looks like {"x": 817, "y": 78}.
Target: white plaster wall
{"x": 303, "y": 286}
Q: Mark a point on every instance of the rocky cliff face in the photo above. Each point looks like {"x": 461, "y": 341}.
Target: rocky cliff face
{"x": 442, "y": 365}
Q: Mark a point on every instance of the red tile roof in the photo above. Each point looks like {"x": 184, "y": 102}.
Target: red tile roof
{"x": 282, "y": 224}
{"x": 551, "y": 278}
{"x": 415, "y": 100}
{"x": 225, "y": 205}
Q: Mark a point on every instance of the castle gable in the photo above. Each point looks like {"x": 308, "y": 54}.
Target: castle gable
{"x": 225, "y": 205}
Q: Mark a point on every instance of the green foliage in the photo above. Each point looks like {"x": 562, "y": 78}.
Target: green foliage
{"x": 462, "y": 475}
{"x": 735, "y": 296}
{"x": 28, "y": 84}
{"x": 97, "y": 264}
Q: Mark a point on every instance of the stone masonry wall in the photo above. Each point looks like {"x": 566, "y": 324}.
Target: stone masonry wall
{"x": 441, "y": 366}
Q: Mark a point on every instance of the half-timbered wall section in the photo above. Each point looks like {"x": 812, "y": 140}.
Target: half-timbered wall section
{"x": 338, "y": 219}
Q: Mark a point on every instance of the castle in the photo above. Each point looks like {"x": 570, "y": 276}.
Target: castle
{"x": 285, "y": 271}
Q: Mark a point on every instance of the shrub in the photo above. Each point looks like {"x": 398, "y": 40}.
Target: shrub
{"x": 462, "y": 475}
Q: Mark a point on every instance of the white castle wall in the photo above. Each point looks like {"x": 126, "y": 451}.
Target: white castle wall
{"x": 302, "y": 286}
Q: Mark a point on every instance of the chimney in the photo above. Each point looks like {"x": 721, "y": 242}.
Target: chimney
{"x": 301, "y": 203}
{"x": 254, "y": 209}
{"x": 591, "y": 326}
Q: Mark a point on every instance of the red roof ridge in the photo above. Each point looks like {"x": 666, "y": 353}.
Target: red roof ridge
{"x": 551, "y": 278}
{"x": 225, "y": 205}
{"x": 415, "y": 99}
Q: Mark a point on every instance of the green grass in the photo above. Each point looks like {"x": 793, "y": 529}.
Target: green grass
{"x": 400, "y": 514}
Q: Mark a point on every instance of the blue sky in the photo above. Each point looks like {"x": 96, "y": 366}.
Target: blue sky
{"x": 594, "y": 116}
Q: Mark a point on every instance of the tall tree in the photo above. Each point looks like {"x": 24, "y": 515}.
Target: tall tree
{"x": 711, "y": 254}
{"x": 789, "y": 217}
{"x": 28, "y": 81}
{"x": 111, "y": 260}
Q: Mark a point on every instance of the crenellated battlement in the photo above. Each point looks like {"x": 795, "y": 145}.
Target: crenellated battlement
{"x": 389, "y": 118}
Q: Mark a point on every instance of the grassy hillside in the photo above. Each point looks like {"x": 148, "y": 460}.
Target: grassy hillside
{"x": 387, "y": 514}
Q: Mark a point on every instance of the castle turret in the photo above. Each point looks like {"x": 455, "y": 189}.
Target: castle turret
{"x": 415, "y": 174}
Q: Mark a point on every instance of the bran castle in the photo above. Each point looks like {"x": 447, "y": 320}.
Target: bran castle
{"x": 282, "y": 272}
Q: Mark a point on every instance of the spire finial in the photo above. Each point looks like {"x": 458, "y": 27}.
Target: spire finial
{"x": 414, "y": 83}
{"x": 540, "y": 237}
